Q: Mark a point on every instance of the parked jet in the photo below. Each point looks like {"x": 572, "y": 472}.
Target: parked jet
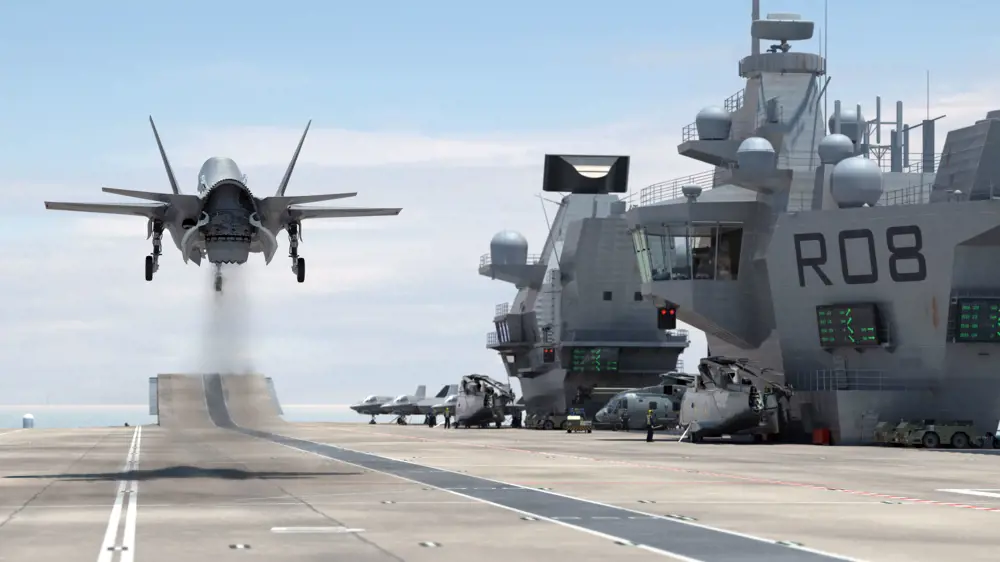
{"x": 224, "y": 222}
{"x": 449, "y": 403}
{"x": 405, "y": 406}
{"x": 372, "y": 406}
{"x": 733, "y": 397}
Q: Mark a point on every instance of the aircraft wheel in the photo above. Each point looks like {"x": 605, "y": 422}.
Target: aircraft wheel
{"x": 564, "y": 424}
{"x": 149, "y": 268}
{"x": 548, "y": 425}
{"x": 300, "y": 269}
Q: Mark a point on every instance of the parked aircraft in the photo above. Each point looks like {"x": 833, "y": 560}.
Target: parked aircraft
{"x": 405, "y": 406}
{"x": 224, "y": 222}
{"x": 663, "y": 399}
{"x": 482, "y": 401}
{"x": 372, "y": 406}
{"x": 732, "y": 397}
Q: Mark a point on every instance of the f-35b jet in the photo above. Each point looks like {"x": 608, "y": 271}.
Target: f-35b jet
{"x": 224, "y": 222}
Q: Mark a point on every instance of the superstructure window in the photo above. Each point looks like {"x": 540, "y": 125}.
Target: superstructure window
{"x": 607, "y": 295}
{"x": 699, "y": 251}
{"x": 638, "y": 296}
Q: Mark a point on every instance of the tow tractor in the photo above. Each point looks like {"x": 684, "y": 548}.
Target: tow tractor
{"x": 931, "y": 434}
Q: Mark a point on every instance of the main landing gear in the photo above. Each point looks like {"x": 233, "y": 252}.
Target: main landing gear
{"x": 153, "y": 259}
{"x": 218, "y": 278}
{"x": 298, "y": 264}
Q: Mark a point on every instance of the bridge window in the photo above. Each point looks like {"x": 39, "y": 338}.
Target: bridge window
{"x": 700, "y": 251}
{"x": 607, "y": 295}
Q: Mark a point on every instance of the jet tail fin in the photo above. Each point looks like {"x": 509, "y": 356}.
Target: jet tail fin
{"x": 291, "y": 165}
{"x": 421, "y": 392}
{"x": 163, "y": 156}
{"x": 443, "y": 392}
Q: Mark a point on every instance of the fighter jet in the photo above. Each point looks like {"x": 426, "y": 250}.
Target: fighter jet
{"x": 372, "y": 406}
{"x": 732, "y": 397}
{"x": 405, "y": 406}
{"x": 224, "y": 222}
{"x": 449, "y": 403}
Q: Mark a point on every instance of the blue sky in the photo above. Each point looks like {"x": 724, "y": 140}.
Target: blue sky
{"x": 474, "y": 92}
{"x": 86, "y": 73}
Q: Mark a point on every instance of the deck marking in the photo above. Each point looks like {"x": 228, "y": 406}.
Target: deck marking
{"x": 751, "y": 479}
{"x": 700, "y": 543}
{"x": 109, "y": 546}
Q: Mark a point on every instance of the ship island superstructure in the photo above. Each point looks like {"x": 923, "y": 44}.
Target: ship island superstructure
{"x": 579, "y": 322}
{"x": 870, "y": 280}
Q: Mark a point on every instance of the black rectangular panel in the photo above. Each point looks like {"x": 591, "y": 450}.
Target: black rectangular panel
{"x": 563, "y": 174}
{"x": 977, "y": 320}
{"x": 848, "y": 325}
{"x": 595, "y": 359}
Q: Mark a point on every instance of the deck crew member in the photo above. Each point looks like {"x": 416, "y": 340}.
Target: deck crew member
{"x": 625, "y": 419}
{"x": 447, "y": 418}
{"x": 649, "y": 425}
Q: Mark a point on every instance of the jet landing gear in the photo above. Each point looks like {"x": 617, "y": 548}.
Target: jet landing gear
{"x": 153, "y": 259}
{"x": 298, "y": 263}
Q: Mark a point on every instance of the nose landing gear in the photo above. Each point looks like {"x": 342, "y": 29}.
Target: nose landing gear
{"x": 298, "y": 263}
{"x": 153, "y": 259}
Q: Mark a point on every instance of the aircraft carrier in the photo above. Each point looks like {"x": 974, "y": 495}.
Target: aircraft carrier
{"x": 224, "y": 478}
{"x": 578, "y": 324}
{"x": 817, "y": 249}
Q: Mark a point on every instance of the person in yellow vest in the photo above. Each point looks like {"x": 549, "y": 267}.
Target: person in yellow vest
{"x": 649, "y": 425}
{"x": 447, "y": 417}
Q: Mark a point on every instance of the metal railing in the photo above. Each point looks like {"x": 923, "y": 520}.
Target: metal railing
{"x": 857, "y": 379}
{"x": 492, "y": 339}
{"x": 501, "y": 309}
{"x": 733, "y": 102}
{"x": 486, "y": 260}
{"x": 671, "y": 189}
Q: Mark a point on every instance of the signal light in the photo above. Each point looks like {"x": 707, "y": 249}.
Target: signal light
{"x": 549, "y": 355}
{"x": 666, "y": 318}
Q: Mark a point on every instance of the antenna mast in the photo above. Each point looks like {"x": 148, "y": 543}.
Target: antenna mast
{"x": 826, "y": 57}
{"x": 754, "y": 16}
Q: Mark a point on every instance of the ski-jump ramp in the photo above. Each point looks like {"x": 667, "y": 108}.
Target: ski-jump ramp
{"x": 200, "y": 401}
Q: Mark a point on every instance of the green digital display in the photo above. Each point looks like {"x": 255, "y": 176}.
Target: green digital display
{"x": 848, "y": 325}
{"x": 595, "y": 359}
{"x": 977, "y": 320}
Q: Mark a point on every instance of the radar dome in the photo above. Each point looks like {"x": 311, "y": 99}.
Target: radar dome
{"x": 755, "y": 154}
{"x": 508, "y": 248}
{"x": 691, "y": 191}
{"x": 834, "y": 148}
{"x": 713, "y": 123}
{"x": 855, "y": 182}
{"x": 848, "y": 123}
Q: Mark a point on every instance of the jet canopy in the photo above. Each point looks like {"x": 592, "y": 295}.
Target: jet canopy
{"x": 401, "y": 400}
{"x": 370, "y": 400}
{"x": 216, "y": 170}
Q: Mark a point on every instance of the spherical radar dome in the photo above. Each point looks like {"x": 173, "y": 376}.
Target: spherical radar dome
{"x": 834, "y": 148}
{"x": 713, "y": 123}
{"x": 848, "y": 122}
{"x": 855, "y": 182}
{"x": 509, "y": 248}
{"x": 755, "y": 154}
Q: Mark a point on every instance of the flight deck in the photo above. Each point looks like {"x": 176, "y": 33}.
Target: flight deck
{"x": 225, "y": 478}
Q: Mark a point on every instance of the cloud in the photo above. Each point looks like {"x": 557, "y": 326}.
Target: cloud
{"x": 389, "y": 302}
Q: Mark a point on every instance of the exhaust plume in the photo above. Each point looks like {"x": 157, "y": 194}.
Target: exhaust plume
{"x": 225, "y": 339}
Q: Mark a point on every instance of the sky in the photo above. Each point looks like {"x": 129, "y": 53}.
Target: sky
{"x": 444, "y": 108}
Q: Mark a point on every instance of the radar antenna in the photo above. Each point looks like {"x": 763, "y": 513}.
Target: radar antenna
{"x": 784, "y": 47}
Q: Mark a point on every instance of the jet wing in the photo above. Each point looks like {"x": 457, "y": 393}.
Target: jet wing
{"x": 300, "y": 212}
{"x": 148, "y": 210}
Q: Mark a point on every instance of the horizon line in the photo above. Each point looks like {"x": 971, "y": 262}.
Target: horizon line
{"x": 89, "y": 406}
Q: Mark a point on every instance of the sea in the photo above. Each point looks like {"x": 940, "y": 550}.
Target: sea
{"x": 65, "y": 416}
